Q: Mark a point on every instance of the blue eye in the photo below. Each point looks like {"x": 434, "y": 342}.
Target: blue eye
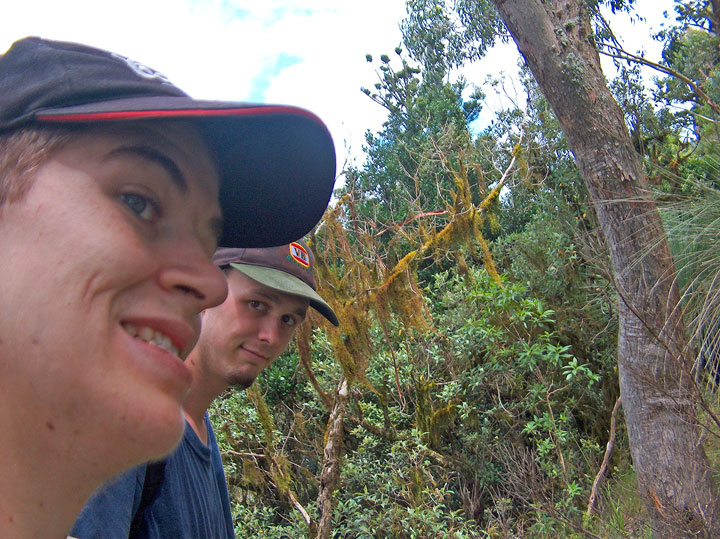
{"x": 140, "y": 205}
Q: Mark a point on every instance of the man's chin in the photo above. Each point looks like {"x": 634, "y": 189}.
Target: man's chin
{"x": 242, "y": 382}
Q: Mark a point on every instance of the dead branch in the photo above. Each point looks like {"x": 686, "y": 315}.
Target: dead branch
{"x": 300, "y": 508}
{"x": 606, "y": 458}
{"x": 243, "y": 454}
{"x": 331, "y": 462}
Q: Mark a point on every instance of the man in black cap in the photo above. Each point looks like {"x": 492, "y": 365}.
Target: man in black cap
{"x": 115, "y": 187}
{"x": 185, "y": 496}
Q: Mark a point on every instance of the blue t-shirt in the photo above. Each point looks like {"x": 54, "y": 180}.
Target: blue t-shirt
{"x": 191, "y": 503}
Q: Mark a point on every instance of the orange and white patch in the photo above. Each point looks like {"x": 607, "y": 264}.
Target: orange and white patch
{"x": 299, "y": 254}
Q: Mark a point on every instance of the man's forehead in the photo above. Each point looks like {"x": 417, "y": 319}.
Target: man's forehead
{"x": 177, "y": 134}
{"x": 176, "y": 143}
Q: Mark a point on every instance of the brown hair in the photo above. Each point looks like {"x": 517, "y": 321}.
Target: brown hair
{"x": 22, "y": 151}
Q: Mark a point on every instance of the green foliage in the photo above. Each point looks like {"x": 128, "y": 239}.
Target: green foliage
{"x": 434, "y": 34}
{"x": 492, "y": 394}
{"x": 407, "y": 169}
{"x": 691, "y": 50}
{"x": 476, "y": 408}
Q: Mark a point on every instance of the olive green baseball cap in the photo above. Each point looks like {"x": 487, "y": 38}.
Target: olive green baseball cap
{"x": 287, "y": 268}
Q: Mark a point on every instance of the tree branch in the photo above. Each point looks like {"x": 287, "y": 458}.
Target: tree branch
{"x": 616, "y": 52}
{"x": 606, "y": 458}
{"x": 331, "y": 462}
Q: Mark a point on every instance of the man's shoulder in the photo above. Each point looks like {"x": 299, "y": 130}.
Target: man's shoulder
{"x": 109, "y": 511}
{"x": 129, "y": 481}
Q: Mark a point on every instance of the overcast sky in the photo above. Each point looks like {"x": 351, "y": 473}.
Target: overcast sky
{"x": 309, "y": 53}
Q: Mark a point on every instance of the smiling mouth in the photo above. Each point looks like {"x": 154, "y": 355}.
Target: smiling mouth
{"x": 151, "y": 336}
{"x": 254, "y": 353}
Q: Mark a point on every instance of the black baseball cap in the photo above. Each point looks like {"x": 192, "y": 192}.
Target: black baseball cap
{"x": 287, "y": 268}
{"x": 277, "y": 162}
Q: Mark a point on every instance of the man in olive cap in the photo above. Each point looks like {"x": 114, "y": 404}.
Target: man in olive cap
{"x": 186, "y": 496}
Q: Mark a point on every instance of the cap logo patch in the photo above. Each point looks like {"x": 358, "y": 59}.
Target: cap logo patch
{"x": 299, "y": 254}
{"x": 142, "y": 70}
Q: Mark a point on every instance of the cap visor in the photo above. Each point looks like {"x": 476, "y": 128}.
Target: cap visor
{"x": 277, "y": 162}
{"x": 284, "y": 282}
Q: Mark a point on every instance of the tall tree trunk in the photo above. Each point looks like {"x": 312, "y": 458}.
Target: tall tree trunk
{"x": 556, "y": 39}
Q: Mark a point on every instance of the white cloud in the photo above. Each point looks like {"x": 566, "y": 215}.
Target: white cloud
{"x": 216, "y": 49}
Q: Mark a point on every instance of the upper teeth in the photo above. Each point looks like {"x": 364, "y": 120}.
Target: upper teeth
{"x": 151, "y": 336}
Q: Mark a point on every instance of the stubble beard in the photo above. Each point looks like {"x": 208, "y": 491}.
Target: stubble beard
{"x": 240, "y": 381}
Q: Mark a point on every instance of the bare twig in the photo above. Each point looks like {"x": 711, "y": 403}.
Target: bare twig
{"x": 243, "y": 454}
{"x": 300, "y": 508}
{"x": 606, "y": 458}
{"x": 331, "y": 462}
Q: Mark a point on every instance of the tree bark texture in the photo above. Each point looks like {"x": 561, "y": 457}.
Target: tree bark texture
{"x": 556, "y": 40}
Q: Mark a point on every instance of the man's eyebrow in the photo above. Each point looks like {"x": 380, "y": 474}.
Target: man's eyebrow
{"x": 272, "y": 296}
{"x": 155, "y": 156}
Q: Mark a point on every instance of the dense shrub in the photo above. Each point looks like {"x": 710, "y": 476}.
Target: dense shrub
{"x": 487, "y": 429}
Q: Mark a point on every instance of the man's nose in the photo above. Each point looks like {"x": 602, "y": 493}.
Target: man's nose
{"x": 269, "y": 330}
{"x": 190, "y": 271}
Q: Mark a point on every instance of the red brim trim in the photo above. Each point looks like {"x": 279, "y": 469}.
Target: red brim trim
{"x": 178, "y": 113}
